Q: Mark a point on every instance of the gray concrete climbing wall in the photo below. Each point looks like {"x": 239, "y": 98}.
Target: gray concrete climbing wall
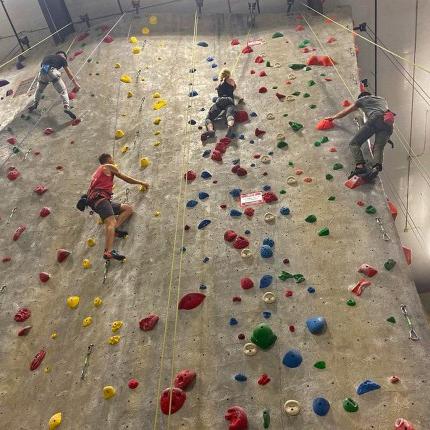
{"x": 165, "y": 260}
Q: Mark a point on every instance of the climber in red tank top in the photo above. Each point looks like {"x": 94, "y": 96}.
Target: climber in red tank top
{"x": 99, "y": 197}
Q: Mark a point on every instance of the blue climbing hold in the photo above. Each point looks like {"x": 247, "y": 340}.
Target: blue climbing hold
{"x": 203, "y": 195}
{"x": 266, "y": 251}
{"x": 205, "y": 174}
{"x": 204, "y": 224}
{"x": 233, "y": 321}
{"x": 192, "y": 122}
{"x": 236, "y": 161}
{"x": 269, "y": 242}
{"x": 253, "y": 165}
{"x": 206, "y": 153}
{"x": 267, "y": 314}
{"x": 267, "y": 188}
{"x": 367, "y": 386}
{"x": 235, "y": 192}
{"x": 253, "y": 114}
{"x": 316, "y": 325}
{"x": 247, "y": 232}
{"x": 235, "y": 213}
{"x": 210, "y": 59}
{"x": 202, "y": 44}
{"x": 242, "y": 137}
{"x": 311, "y": 290}
{"x": 203, "y": 287}
{"x": 293, "y": 358}
{"x": 240, "y": 377}
{"x": 215, "y": 78}
{"x": 320, "y": 406}
{"x": 266, "y": 281}
{"x": 193, "y": 93}
{"x": 251, "y": 142}
{"x": 284, "y": 211}
{"x": 214, "y": 65}
{"x": 205, "y": 260}
{"x": 192, "y": 203}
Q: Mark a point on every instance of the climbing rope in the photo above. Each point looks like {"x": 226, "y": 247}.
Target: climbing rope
{"x": 181, "y": 200}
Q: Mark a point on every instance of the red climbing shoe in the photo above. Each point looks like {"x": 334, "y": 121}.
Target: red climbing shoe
{"x": 121, "y": 233}
{"x": 113, "y": 255}
{"x": 207, "y": 135}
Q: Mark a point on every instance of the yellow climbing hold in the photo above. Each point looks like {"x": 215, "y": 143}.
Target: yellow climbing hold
{"x": 153, "y": 20}
{"x": 129, "y": 95}
{"x": 136, "y": 50}
{"x": 157, "y": 213}
{"x": 157, "y": 143}
{"x": 47, "y": 369}
{"x": 144, "y": 162}
{"x": 54, "y": 335}
{"x": 55, "y": 421}
{"x": 145, "y": 30}
{"x": 113, "y": 340}
{"x": 133, "y": 39}
{"x": 157, "y": 121}
{"x": 91, "y": 242}
{"x": 86, "y": 263}
{"x": 117, "y": 66}
{"x": 97, "y": 302}
{"x": 143, "y": 188}
{"x": 116, "y": 325}
{"x": 159, "y": 104}
{"x": 156, "y": 133}
{"x": 156, "y": 95}
{"x": 73, "y": 302}
{"x": 119, "y": 134}
{"x": 108, "y": 392}
{"x": 124, "y": 149}
{"x": 125, "y": 78}
{"x": 87, "y": 321}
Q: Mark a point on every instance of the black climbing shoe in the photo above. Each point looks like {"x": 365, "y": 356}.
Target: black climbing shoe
{"x": 207, "y": 135}
{"x": 358, "y": 171}
{"x": 121, "y": 233}
{"x": 373, "y": 173}
{"x": 32, "y": 107}
{"x": 70, "y": 113}
{"x": 113, "y": 255}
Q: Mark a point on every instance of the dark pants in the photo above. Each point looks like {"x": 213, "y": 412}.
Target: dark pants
{"x": 374, "y": 126}
{"x": 223, "y": 104}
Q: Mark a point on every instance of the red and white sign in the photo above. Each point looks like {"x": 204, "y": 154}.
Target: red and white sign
{"x": 251, "y": 199}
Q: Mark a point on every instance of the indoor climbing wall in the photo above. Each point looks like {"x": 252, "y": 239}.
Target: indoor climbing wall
{"x": 260, "y": 288}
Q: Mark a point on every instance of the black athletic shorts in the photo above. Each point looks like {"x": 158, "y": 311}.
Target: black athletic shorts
{"x": 107, "y": 208}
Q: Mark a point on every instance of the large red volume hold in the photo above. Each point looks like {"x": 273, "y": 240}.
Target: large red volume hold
{"x": 237, "y": 417}
{"x": 184, "y": 378}
{"x": 216, "y": 155}
{"x": 320, "y": 60}
{"x": 191, "y": 301}
{"x": 178, "y": 400}
{"x": 18, "y": 232}
{"x": 62, "y": 255}
{"x": 149, "y": 322}
{"x": 38, "y": 358}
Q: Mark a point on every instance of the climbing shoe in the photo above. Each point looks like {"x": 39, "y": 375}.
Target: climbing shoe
{"x": 70, "y": 113}
{"x": 32, "y": 107}
{"x": 207, "y": 135}
{"x": 113, "y": 255}
{"x": 373, "y": 173}
{"x": 230, "y": 134}
{"x": 358, "y": 171}
{"x": 121, "y": 234}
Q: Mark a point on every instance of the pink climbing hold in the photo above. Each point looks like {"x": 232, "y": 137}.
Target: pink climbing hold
{"x": 300, "y": 27}
{"x": 13, "y": 173}
{"x": 12, "y": 140}
{"x": 62, "y": 255}
{"x": 190, "y": 175}
{"x": 216, "y": 155}
{"x": 280, "y": 96}
{"x": 241, "y": 116}
{"x": 299, "y": 172}
{"x": 191, "y": 301}
{"x": 402, "y": 424}
{"x": 133, "y": 384}
{"x": 44, "y": 212}
{"x": 320, "y": 60}
{"x": 331, "y": 39}
{"x": 367, "y": 270}
{"x": 229, "y": 236}
{"x": 259, "y": 59}
{"x": 40, "y": 189}
{"x": 270, "y": 197}
{"x": 262, "y": 90}
{"x": 249, "y": 212}
{"x": 246, "y": 283}
{"x": 325, "y": 124}
{"x": 240, "y": 243}
{"x": 108, "y": 39}
{"x": 259, "y": 133}
{"x": 237, "y": 418}
{"x": 235, "y": 42}
{"x": 149, "y": 322}
{"x": 48, "y": 131}
{"x": 346, "y": 103}
{"x": 44, "y": 277}
{"x": 247, "y": 50}
{"x": 262, "y": 74}
{"x": 171, "y": 406}
{"x": 361, "y": 285}
{"x": 18, "y": 232}
{"x": 184, "y": 379}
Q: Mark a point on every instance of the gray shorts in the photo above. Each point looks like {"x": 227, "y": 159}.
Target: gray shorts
{"x": 106, "y": 208}
{"x": 223, "y": 104}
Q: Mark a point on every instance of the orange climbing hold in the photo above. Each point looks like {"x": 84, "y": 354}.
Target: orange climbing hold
{"x": 346, "y": 103}
{"x": 354, "y": 182}
{"x": 320, "y": 60}
{"x": 392, "y": 208}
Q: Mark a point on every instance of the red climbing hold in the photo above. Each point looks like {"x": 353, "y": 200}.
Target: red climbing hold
{"x": 229, "y": 236}
{"x": 262, "y": 90}
{"x": 241, "y": 116}
{"x": 236, "y": 299}
{"x": 48, "y": 131}
{"x": 332, "y": 149}
{"x": 22, "y": 315}
{"x": 269, "y": 197}
{"x": 307, "y": 179}
{"x": 346, "y": 103}
{"x": 392, "y": 208}
{"x": 12, "y": 140}
{"x": 133, "y": 384}
{"x": 108, "y": 39}
{"x": 240, "y": 243}
{"x": 306, "y": 50}
{"x": 221, "y": 147}
{"x": 360, "y": 203}
{"x": 263, "y": 379}
{"x": 44, "y": 277}
{"x": 402, "y": 424}
{"x": 299, "y": 172}
{"x": 216, "y": 155}
{"x": 237, "y": 418}
{"x": 361, "y": 285}
{"x": 259, "y": 59}
{"x": 262, "y": 74}
{"x": 38, "y": 358}
{"x": 320, "y": 60}
{"x": 367, "y": 270}
{"x": 408, "y": 254}
{"x": 171, "y": 406}
{"x": 325, "y": 124}
{"x": 12, "y": 173}
{"x": 44, "y": 212}
{"x": 247, "y": 50}
{"x": 249, "y": 212}
{"x": 235, "y": 168}
{"x": 331, "y": 39}
{"x": 6, "y": 259}
{"x": 300, "y": 27}
{"x": 24, "y": 331}
{"x": 76, "y": 121}
{"x": 149, "y": 322}
{"x": 246, "y": 283}
{"x": 288, "y": 293}
{"x": 62, "y": 255}
{"x": 241, "y": 171}
{"x": 291, "y": 328}
{"x": 191, "y": 301}
{"x": 18, "y": 232}
{"x": 40, "y": 189}
{"x": 280, "y": 96}
{"x": 354, "y": 182}
{"x": 235, "y": 42}
{"x": 259, "y": 133}
{"x": 252, "y": 72}
{"x": 190, "y": 175}
{"x": 184, "y": 378}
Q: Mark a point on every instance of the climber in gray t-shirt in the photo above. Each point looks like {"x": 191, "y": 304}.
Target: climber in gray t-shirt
{"x": 379, "y": 122}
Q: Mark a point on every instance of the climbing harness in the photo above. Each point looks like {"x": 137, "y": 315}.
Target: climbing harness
{"x": 11, "y": 215}
{"x": 412, "y": 334}
{"x": 86, "y": 361}
{"x": 385, "y": 235}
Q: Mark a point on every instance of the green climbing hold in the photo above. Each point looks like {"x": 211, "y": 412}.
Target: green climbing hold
{"x": 389, "y": 264}
{"x": 337, "y": 166}
{"x": 282, "y": 192}
{"x": 311, "y": 83}
{"x": 350, "y": 405}
{"x": 324, "y": 139}
{"x": 295, "y": 126}
{"x": 290, "y": 163}
{"x": 274, "y": 88}
{"x": 332, "y": 198}
{"x": 296, "y": 93}
{"x": 296, "y": 66}
{"x": 306, "y": 95}
{"x": 263, "y": 336}
{"x": 391, "y": 320}
{"x": 323, "y": 74}
{"x": 15, "y": 150}
{"x": 268, "y": 64}
{"x": 371, "y": 210}
{"x": 311, "y": 218}
{"x": 350, "y": 302}
{"x": 329, "y": 177}
{"x": 276, "y": 35}
{"x": 312, "y": 106}
{"x": 285, "y": 275}
{"x": 266, "y": 419}
{"x": 324, "y": 232}
{"x": 299, "y": 278}
{"x": 320, "y": 365}
{"x": 282, "y": 144}
{"x": 308, "y": 68}
{"x": 317, "y": 143}
{"x": 303, "y": 43}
